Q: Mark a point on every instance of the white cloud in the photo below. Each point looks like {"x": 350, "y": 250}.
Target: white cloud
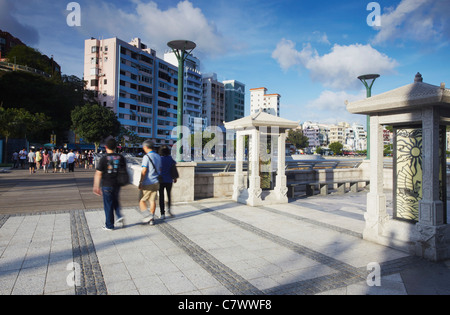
{"x": 338, "y": 69}
{"x": 286, "y": 54}
{"x": 330, "y": 107}
{"x": 334, "y": 101}
{"x": 156, "y": 26}
{"x": 419, "y": 20}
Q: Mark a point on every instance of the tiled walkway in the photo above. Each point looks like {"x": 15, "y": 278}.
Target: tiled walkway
{"x": 214, "y": 247}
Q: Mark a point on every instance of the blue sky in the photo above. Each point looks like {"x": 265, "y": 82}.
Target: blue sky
{"x": 310, "y": 52}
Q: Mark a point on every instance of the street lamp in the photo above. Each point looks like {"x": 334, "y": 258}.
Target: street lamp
{"x": 182, "y": 49}
{"x": 368, "y": 80}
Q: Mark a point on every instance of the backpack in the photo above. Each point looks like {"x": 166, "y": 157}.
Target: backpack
{"x": 122, "y": 177}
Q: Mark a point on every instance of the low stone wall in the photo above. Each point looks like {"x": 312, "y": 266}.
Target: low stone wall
{"x": 182, "y": 190}
{"x": 214, "y": 185}
{"x": 192, "y": 186}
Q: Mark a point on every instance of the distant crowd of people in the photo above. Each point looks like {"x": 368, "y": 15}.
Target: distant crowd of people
{"x": 56, "y": 160}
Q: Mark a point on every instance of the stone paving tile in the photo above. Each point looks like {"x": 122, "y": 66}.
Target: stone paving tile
{"x": 217, "y": 248}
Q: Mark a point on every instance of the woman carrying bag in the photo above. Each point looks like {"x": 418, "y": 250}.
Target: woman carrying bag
{"x": 169, "y": 175}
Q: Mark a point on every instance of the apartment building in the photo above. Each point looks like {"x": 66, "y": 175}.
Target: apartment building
{"x": 137, "y": 85}
{"x": 234, "y": 100}
{"x": 338, "y": 133}
{"x": 316, "y": 133}
{"x": 213, "y": 100}
{"x": 262, "y": 102}
{"x": 8, "y": 41}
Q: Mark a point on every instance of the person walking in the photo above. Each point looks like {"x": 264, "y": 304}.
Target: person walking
{"x": 149, "y": 182}
{"x": 106, "y": 183}
{"x": 23, "y": 155}
{"x": 55, "y": 160}
{"x": 63, "y": 160}
{"x": 32, "y": 161}
{"x": 71, "y": 161}
{"x": 168, "y": 177}
{"x": 38, "y": 159}
{"x": 45, "y": 161}
{"x": 15, "y": 159}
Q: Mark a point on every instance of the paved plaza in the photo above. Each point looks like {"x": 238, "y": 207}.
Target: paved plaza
{"x": 50, "y": 230}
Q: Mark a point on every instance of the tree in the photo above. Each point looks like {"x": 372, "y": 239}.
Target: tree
{"x": 94, "y": 123}
{"x": 128, "y": 137}
{"x": 336, "y": 147}
{"x": 54, "y": 98}
{"x": 319, "y": 150}
{"x": 296, "y": 137}
{"x": 19, "y": 122}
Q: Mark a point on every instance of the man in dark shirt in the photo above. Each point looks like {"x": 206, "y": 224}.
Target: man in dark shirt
{"x": 106, "y": 177}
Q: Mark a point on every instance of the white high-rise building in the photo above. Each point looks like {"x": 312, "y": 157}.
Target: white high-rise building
{"x": 262, "y": 102}
{"x": 138, "y": 86}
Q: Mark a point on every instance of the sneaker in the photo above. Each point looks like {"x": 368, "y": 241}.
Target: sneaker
{"x": 148, "y": 219}
{"x": 162, "y": 217}
{"x": 120, "y": 221}
{"x": 171, "y": 215}
{"x": 106, "y": 228}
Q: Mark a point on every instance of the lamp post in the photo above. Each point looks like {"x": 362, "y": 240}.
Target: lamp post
{"x": 182, "y": 49}
{"x": 368, "y": 80}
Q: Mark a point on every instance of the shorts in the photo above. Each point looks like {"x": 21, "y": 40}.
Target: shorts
{"x": 149, "y": 192}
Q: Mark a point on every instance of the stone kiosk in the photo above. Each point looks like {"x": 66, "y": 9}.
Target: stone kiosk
{"x": 266, "y": 154}
{"x": 419, "y": 113}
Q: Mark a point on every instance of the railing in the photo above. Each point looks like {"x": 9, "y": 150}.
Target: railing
{"x": 15, "y": 67}
{"x": 230, "y": 166}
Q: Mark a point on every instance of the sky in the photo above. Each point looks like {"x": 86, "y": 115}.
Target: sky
{"x": 309, "y": 52}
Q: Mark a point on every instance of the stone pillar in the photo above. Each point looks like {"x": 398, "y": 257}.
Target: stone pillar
{"x": 376, "y": 215}
{"x": 254, "y": 189}
{"x": 281, "y": 181}
{"x": 239, "y": 184}
{"x": 431, "y": 228}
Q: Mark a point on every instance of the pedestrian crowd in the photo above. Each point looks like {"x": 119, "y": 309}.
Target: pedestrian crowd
{"x": 158, "y": 174}
{"x": 56, "y": 160}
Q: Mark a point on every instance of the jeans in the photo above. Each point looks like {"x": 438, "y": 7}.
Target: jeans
{"x": 168, "y": 187}
{"x": 111, "y": 205}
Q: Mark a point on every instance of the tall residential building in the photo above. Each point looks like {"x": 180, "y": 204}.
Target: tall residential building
{"x": 316, "y": 133}
{"x": 234, "y": 100}
{"x": 193, "y": 90}
{"x": 262, "y": 102}
{"x": 337, "y": 133}
{"x": 213, "y": 100}
{"x": 137, "y": 85}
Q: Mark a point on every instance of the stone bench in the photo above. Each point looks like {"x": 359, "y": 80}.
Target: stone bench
{"x": 323, "y": 187}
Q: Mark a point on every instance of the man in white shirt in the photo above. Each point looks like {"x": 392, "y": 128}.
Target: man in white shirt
{"x": 23, "y": 155}
{"x": 71, "y": 161}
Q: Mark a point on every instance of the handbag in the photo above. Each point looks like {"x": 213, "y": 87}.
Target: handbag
{"x": 174, "y": 172}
